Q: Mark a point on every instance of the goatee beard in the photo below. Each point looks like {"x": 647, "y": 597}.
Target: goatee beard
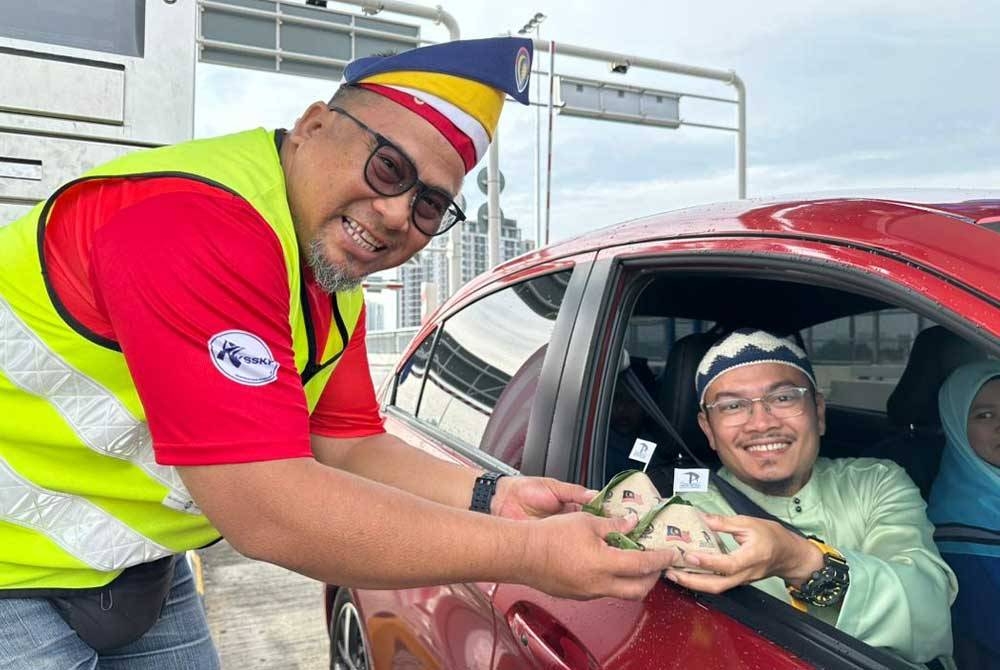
{"x": 330, "y": 278}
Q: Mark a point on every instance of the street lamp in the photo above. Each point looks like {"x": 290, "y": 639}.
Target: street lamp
{"x": 534, "y": 25}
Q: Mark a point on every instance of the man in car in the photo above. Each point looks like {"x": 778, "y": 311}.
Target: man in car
{"x": 865, "y": 561}
{"x": 182, "y": 357}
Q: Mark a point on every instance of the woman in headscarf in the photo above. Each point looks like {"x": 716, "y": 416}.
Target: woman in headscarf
{"x": 965, "y": 508}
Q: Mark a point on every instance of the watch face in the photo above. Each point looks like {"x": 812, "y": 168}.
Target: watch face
{"x": 483, "y": 490}
{"x": 828, "y": 585}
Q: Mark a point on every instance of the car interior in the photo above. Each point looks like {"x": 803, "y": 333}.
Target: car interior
{"x": 879, "y": 365}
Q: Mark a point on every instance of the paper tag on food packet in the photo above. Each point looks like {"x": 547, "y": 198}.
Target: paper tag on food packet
{"x": 642, "y": 451}
{"x": 690, "y": 480}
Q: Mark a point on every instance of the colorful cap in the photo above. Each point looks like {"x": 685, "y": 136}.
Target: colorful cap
{"x": 459, "y": 87}
{"x": 749, "y": 346}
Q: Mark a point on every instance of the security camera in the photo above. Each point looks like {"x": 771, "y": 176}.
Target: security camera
{"x": 619, "y": 67}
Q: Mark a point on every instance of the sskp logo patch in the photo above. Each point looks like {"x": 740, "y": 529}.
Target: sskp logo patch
{"x": 243, "y": 357}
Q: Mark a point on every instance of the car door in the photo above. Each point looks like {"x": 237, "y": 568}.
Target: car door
{"x": 673, "y": 628}
{"x": 465, "y": 393}
{"x": 669, "y": 629}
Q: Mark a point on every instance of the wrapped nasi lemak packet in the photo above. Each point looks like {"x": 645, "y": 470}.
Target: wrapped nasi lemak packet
{"x": 667, "y": 523}
{"x": 628, "y": 492}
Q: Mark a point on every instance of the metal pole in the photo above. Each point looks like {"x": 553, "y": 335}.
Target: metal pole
{"x": 493, "y": 208}
{"x": 453, "y": 254}
{"x": 538, "y": 153}
{"x": 548, "y": 172}
{"x": 741, "y": 136}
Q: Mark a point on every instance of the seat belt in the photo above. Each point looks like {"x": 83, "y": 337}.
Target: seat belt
{"x": 738, "y": 500}
{"x": 960, "y": 532}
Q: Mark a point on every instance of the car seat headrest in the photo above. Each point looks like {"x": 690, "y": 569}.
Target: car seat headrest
{"x": 935, "y": 354}
{"x": 677, "y": 396}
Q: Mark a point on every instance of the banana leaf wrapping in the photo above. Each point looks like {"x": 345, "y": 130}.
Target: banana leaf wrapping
{"x": 665, "y": 523}
{"x": 628, "y": 492}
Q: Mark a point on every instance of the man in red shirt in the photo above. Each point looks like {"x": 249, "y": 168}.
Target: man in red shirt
{"x": 190, "y": 280}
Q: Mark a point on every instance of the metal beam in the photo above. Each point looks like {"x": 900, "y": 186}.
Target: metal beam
{"x": 435, "y": 14}
{"x": 627, "y": 60}
{"x": 725, "y": 76}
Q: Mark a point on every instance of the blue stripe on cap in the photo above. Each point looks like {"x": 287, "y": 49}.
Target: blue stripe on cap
{"x": 492, "y": 61}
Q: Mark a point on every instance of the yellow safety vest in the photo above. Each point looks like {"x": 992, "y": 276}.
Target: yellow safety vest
{"x": 81, "y": 497}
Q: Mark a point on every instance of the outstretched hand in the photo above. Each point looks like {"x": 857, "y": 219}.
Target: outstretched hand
{"x": 767, "y": 549}
{"x": 566, "y": 556}
{"x": 537, "y": 497}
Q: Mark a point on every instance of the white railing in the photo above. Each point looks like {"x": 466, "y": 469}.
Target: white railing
{"x": 390, "y": 341}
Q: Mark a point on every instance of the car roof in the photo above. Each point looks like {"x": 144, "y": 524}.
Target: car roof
{"x": 942, "y": 230}
{"x": 805, "y": 215}
{"x": 932, "y": 226}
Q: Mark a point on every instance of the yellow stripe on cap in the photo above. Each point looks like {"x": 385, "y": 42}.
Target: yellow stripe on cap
{"x": 480, "y": 101}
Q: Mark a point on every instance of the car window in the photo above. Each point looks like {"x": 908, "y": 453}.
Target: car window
{"x": 480, "y": 379}
{"x": 649, "y": 339}
{"x": 661, "y": 349}
{"x": 859, "y": 359}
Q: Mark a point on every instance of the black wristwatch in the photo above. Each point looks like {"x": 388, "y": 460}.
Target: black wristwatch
{"x": 482, "y": 492}
{"x": 827, "y": 585}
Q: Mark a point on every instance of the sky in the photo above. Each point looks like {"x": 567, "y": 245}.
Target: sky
{"x": 844, "y": 94}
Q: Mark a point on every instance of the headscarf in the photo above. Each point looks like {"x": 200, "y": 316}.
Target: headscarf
{"x": 967, "y": 488}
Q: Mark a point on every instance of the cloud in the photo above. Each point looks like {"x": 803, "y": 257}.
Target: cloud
{"x": 843, "y": 94}
{"x": 583, "y": 208}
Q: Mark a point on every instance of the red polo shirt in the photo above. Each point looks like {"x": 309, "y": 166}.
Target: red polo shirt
{"x": 160, "y": 267}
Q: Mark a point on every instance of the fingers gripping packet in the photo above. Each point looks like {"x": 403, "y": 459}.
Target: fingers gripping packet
{"x": 667, "y": 523}
{"x": 675, "y": 523}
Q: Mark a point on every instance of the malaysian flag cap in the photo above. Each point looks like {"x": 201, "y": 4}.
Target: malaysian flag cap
{"x": 458, "y": 87}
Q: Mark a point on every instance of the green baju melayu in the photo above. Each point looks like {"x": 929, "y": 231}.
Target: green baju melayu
{"x": 870, "y": 511}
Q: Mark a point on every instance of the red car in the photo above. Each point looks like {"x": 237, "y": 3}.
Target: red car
{"x": 518, "y": 373}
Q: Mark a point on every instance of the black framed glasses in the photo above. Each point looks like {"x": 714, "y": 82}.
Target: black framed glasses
{"x": 390, "y": 172}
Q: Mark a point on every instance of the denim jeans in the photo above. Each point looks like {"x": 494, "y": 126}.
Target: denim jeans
{"x": 34, "y": 637}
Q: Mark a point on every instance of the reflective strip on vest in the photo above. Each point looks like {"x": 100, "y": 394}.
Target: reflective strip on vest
{"x": 81, "y": 528}
{"x": 98, "y": 418}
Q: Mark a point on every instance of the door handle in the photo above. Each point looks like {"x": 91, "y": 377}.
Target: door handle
{"x": 546, "y": 641}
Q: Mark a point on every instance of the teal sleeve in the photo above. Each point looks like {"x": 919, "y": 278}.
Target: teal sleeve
{"x": 901, "y": 589}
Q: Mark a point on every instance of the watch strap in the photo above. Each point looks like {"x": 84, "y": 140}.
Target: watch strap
{"x": 825, "y": 548}
{"x": 827, "y": 585}
{"x": 483, "y": 490}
